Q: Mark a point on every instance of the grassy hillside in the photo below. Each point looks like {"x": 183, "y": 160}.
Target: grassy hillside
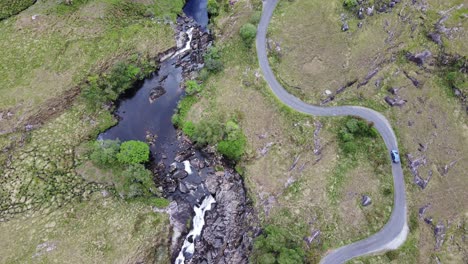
{"x": 9, "y": 8}
{"x": 52, "y": 47}
{"x": 51, "y": 209}
{"x": 431, "y": 124}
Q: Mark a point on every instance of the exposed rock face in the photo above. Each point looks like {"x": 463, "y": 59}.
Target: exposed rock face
{"x": 414, "y": 164}
{"x": 395, "y": 101}
{"x": 156, "y": 93}
{"x": 439, "y": 233}
{"x": 419, "y": 58}
{"x": 188, "y": 175}
{"x": 225, "y": 238}
{"x": 191, "y": 44}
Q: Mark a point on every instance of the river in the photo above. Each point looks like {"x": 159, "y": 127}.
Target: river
{"x": 145, "y": 113}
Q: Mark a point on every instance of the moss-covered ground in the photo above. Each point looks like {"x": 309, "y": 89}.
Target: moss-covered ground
{"x": 51, "y": 209}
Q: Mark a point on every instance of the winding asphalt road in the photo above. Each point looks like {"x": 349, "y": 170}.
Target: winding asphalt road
{"x": 394, "y": 233}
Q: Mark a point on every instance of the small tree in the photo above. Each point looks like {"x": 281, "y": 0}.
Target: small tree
{"x": 208, "y": 132}
{"x": 192, "y": 87}
{"x": 248, "y": 33}
{"x": 213, "y": 8}
{"x": 138, "y": 181}
{"x": 233, "y": 145}
{"x": 105, "y": 153}
{"x": 133, "y": 152}
{"x": 213, "y": 61}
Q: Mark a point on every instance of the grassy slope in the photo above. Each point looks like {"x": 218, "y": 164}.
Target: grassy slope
{"x": 314, "y": 201}
{"x": 332, "y": 58}
{"x": 9, "y": 8}
{"x": 107, "y": 230}
{"x": 51, "y": 47}
{"x": 42, "y": 193}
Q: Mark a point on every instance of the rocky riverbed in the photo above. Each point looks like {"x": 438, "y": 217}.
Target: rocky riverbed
{"x": 193, "y": 179}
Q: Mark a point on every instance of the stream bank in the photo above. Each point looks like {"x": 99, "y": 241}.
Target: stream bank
{"x": 195, "y": 180}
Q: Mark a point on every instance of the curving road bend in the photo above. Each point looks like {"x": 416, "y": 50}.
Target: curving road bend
{"x": 394, "y": 233}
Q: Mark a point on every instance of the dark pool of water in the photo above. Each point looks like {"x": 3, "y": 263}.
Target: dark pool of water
{"x": 138, "y": 116}
{"x": 197, "y": 9}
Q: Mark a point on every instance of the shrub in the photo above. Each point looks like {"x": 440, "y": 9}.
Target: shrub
{"x": 350, "y": 3}
{"x": 105, "y": 152}
{"x": 233, "y": 145}
{"x": 107, "y": 87}
{"x": 275, "y": 245}
{"x": 213, "y": 61}
{"x": 138, "y": 182}
{"x": 213, "y": 8}
{"x": 207, "y": 132}
{"x": 178, "y": 119}
{"x": 160, "y": 202}
{"x": 255, "y": 18}
{"x": 189, "y": 129}
{"x": 352, "y": 134}
{"x": 248, "y": 33}
{"x": 12, "y": 7}
{"x": 233, "y": 149}
{"x": 192, "y": 87}
{"x": 133, "y": 152}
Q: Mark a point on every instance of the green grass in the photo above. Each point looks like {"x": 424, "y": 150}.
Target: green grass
{"x": 64, "y": 48}
{"x": 105, "y": 229}
{"x": 357, "y": 142}
{"x": 48, "y": 50}
{"x": 9, "y": 8}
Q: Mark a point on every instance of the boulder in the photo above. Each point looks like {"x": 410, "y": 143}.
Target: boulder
{"x": 419, "y": 58}
{"x": 366, "y": 200}
{"x": 395, "y": 101}
{"x": 180, "y": 174}
{"x": 345, "y": 26}
{"x": 156, "y": 93}
{"x": 439, "y": 233}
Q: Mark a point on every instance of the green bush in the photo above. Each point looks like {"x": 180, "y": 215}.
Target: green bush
{"x": 207, "y": 132}
{"x": 10, "y": 8}
{"x": 255, "y": 18}
{"x": 350, "y": 3}
{"x": 178, "y": 119}
{"x": 233, "y": 149}
{"x": 189, "y": 129}
{"x": 276, "y": 245}
{"x": 213, "y": 8}
{"x": 108, "y": 86}
{"x": 159, "y": 202}
{"x": 133, "y": 152}
{"x": 248, "y": 33}
{"x": 192, "y": 87}
{"x": 233, "y": 145}
{"x": 353, "y": 132}
{"x": 105, "y": 152}
{"x": 138, "y": 182}
{"x": 213, "y": 61}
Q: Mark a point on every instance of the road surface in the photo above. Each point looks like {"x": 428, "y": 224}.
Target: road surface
{"x": 394, "y": 233}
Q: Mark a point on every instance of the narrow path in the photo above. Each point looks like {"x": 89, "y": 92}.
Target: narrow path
{"x": 394, "y": 233}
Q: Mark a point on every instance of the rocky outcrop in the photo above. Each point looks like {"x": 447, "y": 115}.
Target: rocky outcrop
{"x": 225, "y": 236}
{"x": 414, "y": 164}
{"x": 395, "y": 101}
{"x": 419, "y": 58}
